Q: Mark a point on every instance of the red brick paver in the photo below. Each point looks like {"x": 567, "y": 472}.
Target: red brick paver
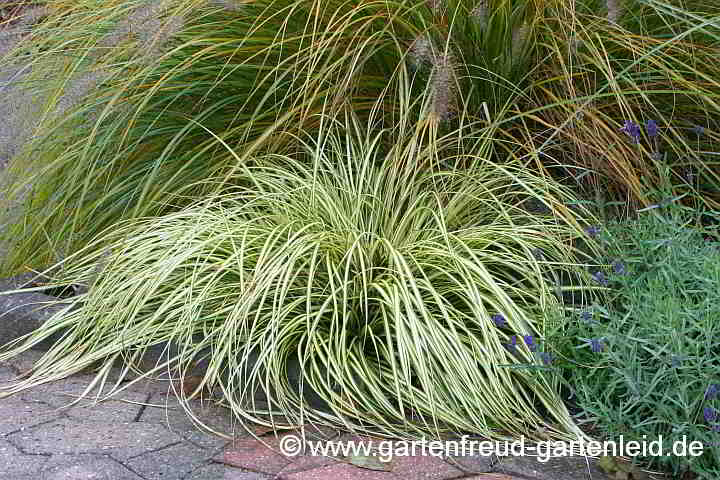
{"x": 304, "y": 463}
{"x": 254, "y": 455}
{"x": 491, "y": 476}
{"x": 342, "y": 471}
{"x": 424, "y": 468}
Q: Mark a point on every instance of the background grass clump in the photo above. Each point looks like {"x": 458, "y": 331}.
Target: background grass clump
{"x": 541, "y": 80}
{"x": 647, "y": 363}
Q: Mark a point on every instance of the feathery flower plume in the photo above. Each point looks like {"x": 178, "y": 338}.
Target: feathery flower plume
{"x": 434, "y": 5}
{"x": 575, "y": 44}
{"x": 421, "y": 52}
{"x": 613, "y": 7}
{"x": 480, "y": 13}
{"x": 443, "y": 87}
{"x": 234, "y": 6}
{"x": 519, "y": 38}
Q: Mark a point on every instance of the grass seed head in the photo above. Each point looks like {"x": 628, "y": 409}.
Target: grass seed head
{"x": 480, "y": 13}
{"x": 443, "y": 86}
{"x": 613, "y": 11}
{"x": 421, "y": 51}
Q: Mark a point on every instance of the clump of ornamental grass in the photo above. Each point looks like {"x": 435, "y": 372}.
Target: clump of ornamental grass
{"x": 553, "y": 85}
{"x": 254, "y": 76}
{"x": 651, "y": 61}
{"x": 645, "y": 365}
{"x": 383, "y": 280}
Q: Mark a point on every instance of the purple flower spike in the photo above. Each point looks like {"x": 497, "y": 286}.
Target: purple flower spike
{"x": 499, "y": 320}
{"x": 618, "y": 267}
{"x": 592, "y": 231}
{"x": 632, "y": 129}
{"x": 651, "y": 128}
{"x": 530, "y": 342}
{"x": 547, "y": 358}
{"x": 600, "y": 278}
{"x": 512, "y": 346}
{"x": 712, "y": 391}
{"x": 596, "y": 345}
{"x": 710, "y": 414}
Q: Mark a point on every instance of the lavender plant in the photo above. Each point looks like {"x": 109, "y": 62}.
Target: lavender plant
{"x": 646, "y": 363}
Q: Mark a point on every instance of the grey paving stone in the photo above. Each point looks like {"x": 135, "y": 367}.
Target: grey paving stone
{"x": 173, "y": 417}
{"x": 23, "y": 312}
{"x": 233, "y": 474}
{"x": 13, "y": 462}
{"x": 6, "y": 374}
{"x": 25, "y": 361}
{"x": 216, "y": 471}
{"x": 209, "y": 471}
{"x": 17, "y": 413}
{"x": 61, "y": 393}
{"x": 71, "y": 436}
{"x": 472, "y": 463}
{"x": 175, "y": 461}
{"x": 122, "y": 408}
{"x": 86, "y": 467}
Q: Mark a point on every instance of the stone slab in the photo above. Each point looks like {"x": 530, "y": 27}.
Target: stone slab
{"x": 174, "y": 461}
{"x": 217, "y": 471}
{"x": 255, "y": 455}
{"x": 14, "y": 463}
{"x": 168, "y": 412}
{"x": 22, "y": 313}
{"x": 17, "y": 414}
{"x": 70, "y": 436}
{"x": 343, "y": 471}
{"x": 86, "y": 467}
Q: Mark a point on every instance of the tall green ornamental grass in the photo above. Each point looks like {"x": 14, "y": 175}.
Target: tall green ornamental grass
{"x": 552, "y": 82}
{"x": 646, "y": 365}
{"x": 638, "y": 61}
{"x": 253, "y": 75}
{"x": 401, "y": 290}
